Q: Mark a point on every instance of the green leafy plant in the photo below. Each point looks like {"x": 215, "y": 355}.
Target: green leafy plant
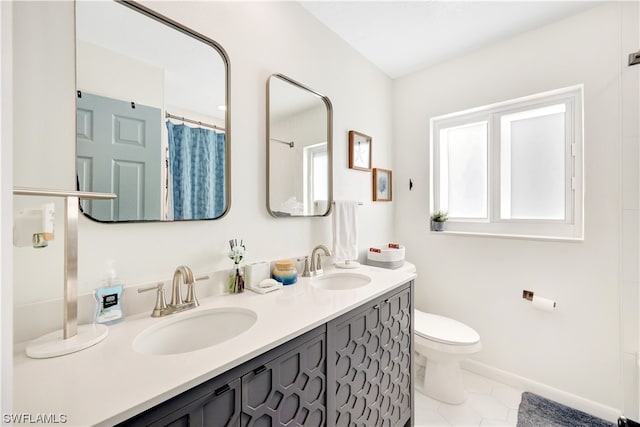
{"x": 439, "y": 216}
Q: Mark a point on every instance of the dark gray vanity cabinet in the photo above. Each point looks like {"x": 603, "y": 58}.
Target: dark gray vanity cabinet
{"x": 355, "y": 370}
{"x": 284, "y": 386}
{"x": 370, "y": 363}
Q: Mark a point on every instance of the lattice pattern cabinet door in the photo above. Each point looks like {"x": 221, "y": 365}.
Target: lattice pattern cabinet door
{"x": 289, "y": 390}
{"x": 395, "y": 358}
{"x": 369, "y": 363}
{"x": 209, "y": 405}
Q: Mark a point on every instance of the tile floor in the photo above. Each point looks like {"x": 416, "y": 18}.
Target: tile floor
{"x": 490, "y": 403}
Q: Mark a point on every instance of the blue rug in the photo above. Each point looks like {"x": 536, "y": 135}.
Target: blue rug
{"x": 536, "y": 411}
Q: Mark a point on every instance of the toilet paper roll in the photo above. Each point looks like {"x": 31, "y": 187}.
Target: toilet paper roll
{"x": 543, "y": 304}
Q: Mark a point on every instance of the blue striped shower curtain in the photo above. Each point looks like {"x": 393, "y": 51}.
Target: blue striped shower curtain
{"x": 197, "y": 170}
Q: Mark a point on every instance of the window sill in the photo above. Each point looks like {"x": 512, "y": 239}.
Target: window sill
{"x": 510, "y": 236}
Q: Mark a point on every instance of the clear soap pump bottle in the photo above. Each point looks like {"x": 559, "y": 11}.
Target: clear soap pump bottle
{"x": 109, "y": 298}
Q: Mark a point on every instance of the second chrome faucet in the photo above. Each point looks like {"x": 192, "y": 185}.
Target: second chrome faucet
{"x": 316, "y": 262}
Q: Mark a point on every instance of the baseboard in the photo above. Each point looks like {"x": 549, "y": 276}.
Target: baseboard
{"x": 596, "y": 409}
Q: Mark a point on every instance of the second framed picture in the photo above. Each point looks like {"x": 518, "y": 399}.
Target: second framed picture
{"x": 359, "y": 151}
{"x": 382, "y": 185}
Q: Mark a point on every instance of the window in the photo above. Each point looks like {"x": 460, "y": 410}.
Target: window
{"x": 513, "y": 168}
{"x": 315, "y": 186}
{"x": 463, "y": 170}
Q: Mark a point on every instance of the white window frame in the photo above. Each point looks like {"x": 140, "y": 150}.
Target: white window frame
{"x": 309, "y": 152}
{"x": 572, "y": 226}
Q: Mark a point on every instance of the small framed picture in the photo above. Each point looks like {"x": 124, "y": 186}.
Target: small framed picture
{"x": 359, "y": 151}
{"x": 381, "y": 185}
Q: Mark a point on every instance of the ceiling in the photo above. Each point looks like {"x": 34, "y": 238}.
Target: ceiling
{"x": 401, "y": 37}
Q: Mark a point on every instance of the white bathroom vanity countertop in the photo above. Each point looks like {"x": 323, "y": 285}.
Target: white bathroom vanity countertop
{"x": 110, "y": 382}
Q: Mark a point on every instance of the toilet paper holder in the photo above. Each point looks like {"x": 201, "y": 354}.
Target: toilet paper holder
{"x": 528, "y": 295}
{"x": 540, "y": 302}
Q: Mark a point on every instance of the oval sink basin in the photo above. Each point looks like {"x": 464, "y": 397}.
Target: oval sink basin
{"x": 341, "y": 281}
{"x": 194, "y": 331}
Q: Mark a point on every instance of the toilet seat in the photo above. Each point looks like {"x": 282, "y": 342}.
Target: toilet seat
{"x": 443, "y": 329}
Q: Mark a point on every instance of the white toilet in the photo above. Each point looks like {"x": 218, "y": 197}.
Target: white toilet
{"x": 440, "y": 344}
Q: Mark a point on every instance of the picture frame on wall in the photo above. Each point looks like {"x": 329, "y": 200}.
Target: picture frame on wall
{"x": 381, "y": 185}
{"x": 360, "y": 151}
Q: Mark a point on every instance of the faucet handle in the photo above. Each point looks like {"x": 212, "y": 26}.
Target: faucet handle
{"x": 306, "y": 272}
{"x": 191, "y": 293}
{"x": 161, "y": 304}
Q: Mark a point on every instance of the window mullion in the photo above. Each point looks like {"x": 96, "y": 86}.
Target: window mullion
{"x": 495, "y": 169}
{"x": 435, "y": 168}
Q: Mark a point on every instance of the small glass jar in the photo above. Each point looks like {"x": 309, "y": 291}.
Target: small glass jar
{"x": 236, "y": 279}
{"x": 285, "y": 272}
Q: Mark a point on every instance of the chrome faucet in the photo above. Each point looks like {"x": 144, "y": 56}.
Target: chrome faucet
{"x": 316, "y": 263}
{"x": 177, "y": 304}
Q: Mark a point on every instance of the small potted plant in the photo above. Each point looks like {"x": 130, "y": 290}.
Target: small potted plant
{"x": 438, "y": 219}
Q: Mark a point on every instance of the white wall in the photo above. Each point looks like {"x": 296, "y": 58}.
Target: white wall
{"x": 107, "y": 73}
{"x": 6, "y": 216}
{"x": 479, "y": 280}
{"x": 260, "y": 38}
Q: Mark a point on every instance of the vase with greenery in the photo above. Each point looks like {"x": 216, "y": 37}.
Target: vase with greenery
{"x": 438, "y": 220}
{"x": 236, "y": 274}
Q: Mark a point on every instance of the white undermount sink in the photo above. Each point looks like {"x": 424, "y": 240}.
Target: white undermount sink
{"x": 195, "y": 330}
{"x": 340, "y": 281}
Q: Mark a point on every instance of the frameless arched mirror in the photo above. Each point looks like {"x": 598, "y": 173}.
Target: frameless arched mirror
{"x": 299, "y": 149}
{"x": 152, "y": 116}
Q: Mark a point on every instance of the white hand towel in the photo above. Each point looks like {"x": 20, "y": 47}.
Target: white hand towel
{"x": 345, "y": 230}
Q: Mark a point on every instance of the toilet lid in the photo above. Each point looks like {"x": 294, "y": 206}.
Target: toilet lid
{"x": 444, "y": 330}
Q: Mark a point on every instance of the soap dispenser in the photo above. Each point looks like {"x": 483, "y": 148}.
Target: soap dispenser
{"x": 109, "y": 298}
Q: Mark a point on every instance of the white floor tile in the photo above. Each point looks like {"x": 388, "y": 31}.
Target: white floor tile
{"x": 475, "y": 383}
{"x": 488, "y": 407}
{"x": 460, "y": 415}
{"x": 430, "y": 418}
{"x": 508, "y": 396}
{"x": 486, "y": 422}
{"x": 490, "y": 403}
{"x": 423, "y": 401}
